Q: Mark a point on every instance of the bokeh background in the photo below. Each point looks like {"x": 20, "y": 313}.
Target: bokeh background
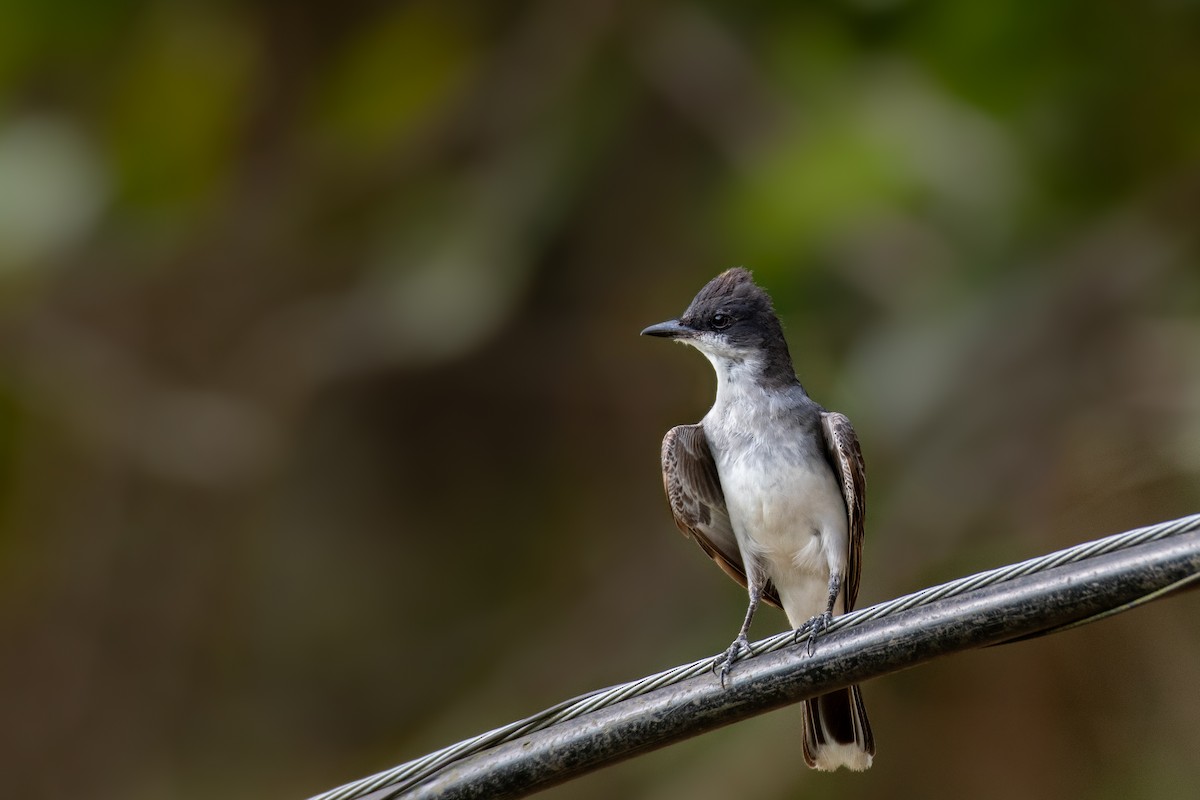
{"x": 327, "y": 438}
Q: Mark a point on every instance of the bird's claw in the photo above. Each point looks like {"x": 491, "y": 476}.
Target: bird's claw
{"x": 723, "y": 664}
{"x": 814, "y": 627}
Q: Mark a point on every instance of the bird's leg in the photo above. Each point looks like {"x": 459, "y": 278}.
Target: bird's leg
{"x": 816, "y": 625}
{"x": 724, "y": 663}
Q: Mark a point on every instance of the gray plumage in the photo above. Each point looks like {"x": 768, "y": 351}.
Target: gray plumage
{"x": 772, "y": 487}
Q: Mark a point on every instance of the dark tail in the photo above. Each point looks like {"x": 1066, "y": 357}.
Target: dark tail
{"x": 836, "y": 731}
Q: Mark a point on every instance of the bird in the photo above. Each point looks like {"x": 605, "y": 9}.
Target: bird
{"x": 772, "y": 487}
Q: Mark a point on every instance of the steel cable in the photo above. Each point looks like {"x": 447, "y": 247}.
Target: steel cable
{"x": 412, "y": 773}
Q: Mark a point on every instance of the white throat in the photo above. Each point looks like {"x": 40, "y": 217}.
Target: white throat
{"x": 736, "y": 377}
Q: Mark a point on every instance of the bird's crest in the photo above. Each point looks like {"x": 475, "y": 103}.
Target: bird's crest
{"x": 734, "y": 287}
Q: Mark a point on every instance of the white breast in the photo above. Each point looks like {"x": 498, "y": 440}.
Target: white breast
{"x": 784, "y": 501}
{"x": 789, "y": 518}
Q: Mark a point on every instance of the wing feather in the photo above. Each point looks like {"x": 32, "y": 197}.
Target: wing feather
{"x": 698, "y": 502}
{"x": 841, "y": 444}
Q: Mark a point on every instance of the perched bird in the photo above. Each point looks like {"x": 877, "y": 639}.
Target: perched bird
{"x": 772, "y": 488}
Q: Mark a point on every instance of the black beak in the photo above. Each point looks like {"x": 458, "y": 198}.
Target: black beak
{"x": 671, "y": 329}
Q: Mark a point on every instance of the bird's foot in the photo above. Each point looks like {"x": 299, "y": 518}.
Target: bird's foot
{"x": 723, "y": 664}
{"x": 814, "y": 627}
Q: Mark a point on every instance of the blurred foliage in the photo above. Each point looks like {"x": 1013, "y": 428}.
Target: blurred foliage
{"x": 326, "y": 437}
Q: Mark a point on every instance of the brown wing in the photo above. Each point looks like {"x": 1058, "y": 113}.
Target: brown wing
{"x": 698, "y": 502}
{"x": 842, "y": 446}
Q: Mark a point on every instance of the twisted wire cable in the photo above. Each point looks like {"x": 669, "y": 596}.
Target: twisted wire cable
{"x": 411, "y": 773}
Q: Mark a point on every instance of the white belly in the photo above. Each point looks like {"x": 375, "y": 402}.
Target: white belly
{"x": 791, "y": 521}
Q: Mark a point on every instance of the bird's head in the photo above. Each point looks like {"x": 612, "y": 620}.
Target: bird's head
{"x": 730, "y": 320}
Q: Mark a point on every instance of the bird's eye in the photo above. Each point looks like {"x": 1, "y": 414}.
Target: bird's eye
{"x": 721, "y": 321}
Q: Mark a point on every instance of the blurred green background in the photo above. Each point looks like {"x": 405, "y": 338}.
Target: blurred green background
{"x": 327, "y": 438}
